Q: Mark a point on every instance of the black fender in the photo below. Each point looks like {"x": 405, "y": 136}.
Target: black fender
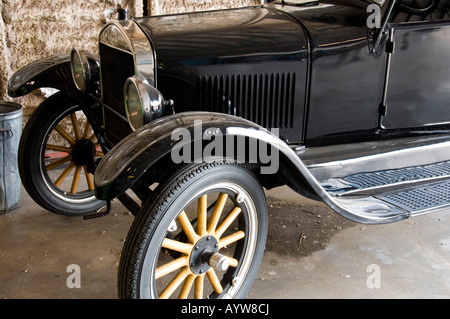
{"x": 138, "y": 153}
{"x": 142, "y": 150}
{"x": 52, "y": 72}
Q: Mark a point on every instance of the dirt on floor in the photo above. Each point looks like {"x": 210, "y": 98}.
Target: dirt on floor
{"x": 298, "y": 230}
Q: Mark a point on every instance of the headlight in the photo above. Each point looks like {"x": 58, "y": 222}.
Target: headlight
{"x": 80, "y": 69}
{"x": 143, "y": 103}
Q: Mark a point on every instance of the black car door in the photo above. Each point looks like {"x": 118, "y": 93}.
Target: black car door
{"x": 418, "y": 91}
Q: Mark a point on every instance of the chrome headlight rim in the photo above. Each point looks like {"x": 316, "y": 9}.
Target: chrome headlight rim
{"x": 151, "y": 101}
{"x": 82, "y": 72}
{"x": 144, "y": 101}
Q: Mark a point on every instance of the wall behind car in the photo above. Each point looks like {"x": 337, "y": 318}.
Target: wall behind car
{"x": 33, "y": 29}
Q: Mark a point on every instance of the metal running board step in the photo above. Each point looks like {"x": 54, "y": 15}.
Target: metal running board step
{"x": 383, "y": 181}
{"x": 370, "y": 180}
{"x": 420, "y": 198}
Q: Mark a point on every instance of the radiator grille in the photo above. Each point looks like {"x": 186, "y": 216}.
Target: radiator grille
{"x": 266, "y": 99}
{"x": 116, "y": 67}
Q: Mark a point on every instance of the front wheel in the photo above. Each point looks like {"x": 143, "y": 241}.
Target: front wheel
{"x": 56, "y": 152}
{"x": 201, "y": 236}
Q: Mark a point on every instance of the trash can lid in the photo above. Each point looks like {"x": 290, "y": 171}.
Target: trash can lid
{"x": 9, "y": 107}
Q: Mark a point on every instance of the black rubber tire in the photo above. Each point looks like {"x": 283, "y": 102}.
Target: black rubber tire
{"x": 30, "y": 160}
{"x": 149, "y": 229}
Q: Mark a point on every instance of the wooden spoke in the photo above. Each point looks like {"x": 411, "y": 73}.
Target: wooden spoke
{"x": 215, "y": 282}
{"x": 59, "y": 148}
{"x": 76, "y": 179}
{"x": 227, "y": 221}
{"x": 58, "y": 162}
{"x": 171, "y": 266}
{"x": 65, "y": 135}
{"x": 186, "y": 287}
{"x": 173, "y": 285}
{"x": 98, "y": 150}
{"x": 202, "y": 207}
{"x": 231, "y": 239}
{"x": 87, "y": 129}
{"x": 187, "y": 227}
{"x": 76, "y": 129}
{"x": 177, "y": 246}
{"x": 64, "y": 174}
{"x": 217, "y": 211}
{"x": 89, "y": 180}
{"x": 93, "y": 137}
{"x": 198, "y": 288}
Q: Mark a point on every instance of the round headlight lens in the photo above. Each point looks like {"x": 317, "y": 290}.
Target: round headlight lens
{"x": 143, "y": 102}
{"x": 80, "y": 69}
{"x": 134, "y": 104}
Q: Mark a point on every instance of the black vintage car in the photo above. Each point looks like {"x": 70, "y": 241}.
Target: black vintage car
{"x": 185, "y": 118}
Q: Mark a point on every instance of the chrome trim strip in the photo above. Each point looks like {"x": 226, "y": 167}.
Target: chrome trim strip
{"x": 422, "y": 155}
{"x": 430, "y": 210}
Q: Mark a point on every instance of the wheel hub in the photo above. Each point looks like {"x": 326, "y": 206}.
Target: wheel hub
{"x": 83, "y": 153}
{"x": 202, "y": 253}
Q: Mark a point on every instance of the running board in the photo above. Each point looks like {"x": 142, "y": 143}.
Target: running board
{"x": 373, "y": 182}
{"x": 391, "y": 180}
{"x": 420, "y": 199}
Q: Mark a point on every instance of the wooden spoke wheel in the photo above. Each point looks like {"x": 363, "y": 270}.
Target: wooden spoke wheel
{"x": 201, "y": 236}
{"x": 70, "y": 154}
{"x": 57, "y": 154}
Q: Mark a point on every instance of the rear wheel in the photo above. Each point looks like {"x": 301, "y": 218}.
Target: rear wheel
{"x": 56, "y": 155}
{"x": 201, "y": 236}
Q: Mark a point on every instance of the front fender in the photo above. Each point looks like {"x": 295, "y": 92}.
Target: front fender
{"x": 52, "y": 72}
{"x": 122, "y": 167}
{"x": 137, "y": 153}
{"x": 131, "y": 158}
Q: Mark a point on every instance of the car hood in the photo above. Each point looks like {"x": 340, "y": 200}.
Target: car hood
{"x": 331, "y": 23}
{"x": 216, "y": 37}
{"x": 255, "y": 34}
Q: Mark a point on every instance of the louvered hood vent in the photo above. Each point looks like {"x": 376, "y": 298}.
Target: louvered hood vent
{"x": 266, "y": 99}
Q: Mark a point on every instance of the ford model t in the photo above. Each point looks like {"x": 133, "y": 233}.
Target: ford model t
{"x": 185, "y": 118}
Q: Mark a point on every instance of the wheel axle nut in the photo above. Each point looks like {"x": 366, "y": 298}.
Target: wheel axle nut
{"x": 219, "y": 261}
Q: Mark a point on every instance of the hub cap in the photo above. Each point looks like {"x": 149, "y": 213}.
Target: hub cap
{"x": 201, "y": 254}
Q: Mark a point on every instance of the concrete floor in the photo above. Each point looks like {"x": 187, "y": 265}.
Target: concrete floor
{"x": 411, "y": 259}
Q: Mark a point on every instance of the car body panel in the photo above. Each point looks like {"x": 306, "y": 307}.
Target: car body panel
{"x": 341, "y": 64}
{"x": 245, "y": 35}
{"x": 419, "y": 89}
{"x": 228, "y": 55}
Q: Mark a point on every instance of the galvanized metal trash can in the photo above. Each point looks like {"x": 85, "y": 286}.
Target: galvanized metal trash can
{"x": 10, "y": 132}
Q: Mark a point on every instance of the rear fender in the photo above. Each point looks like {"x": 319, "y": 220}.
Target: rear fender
{"x": 52, "y": 72}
